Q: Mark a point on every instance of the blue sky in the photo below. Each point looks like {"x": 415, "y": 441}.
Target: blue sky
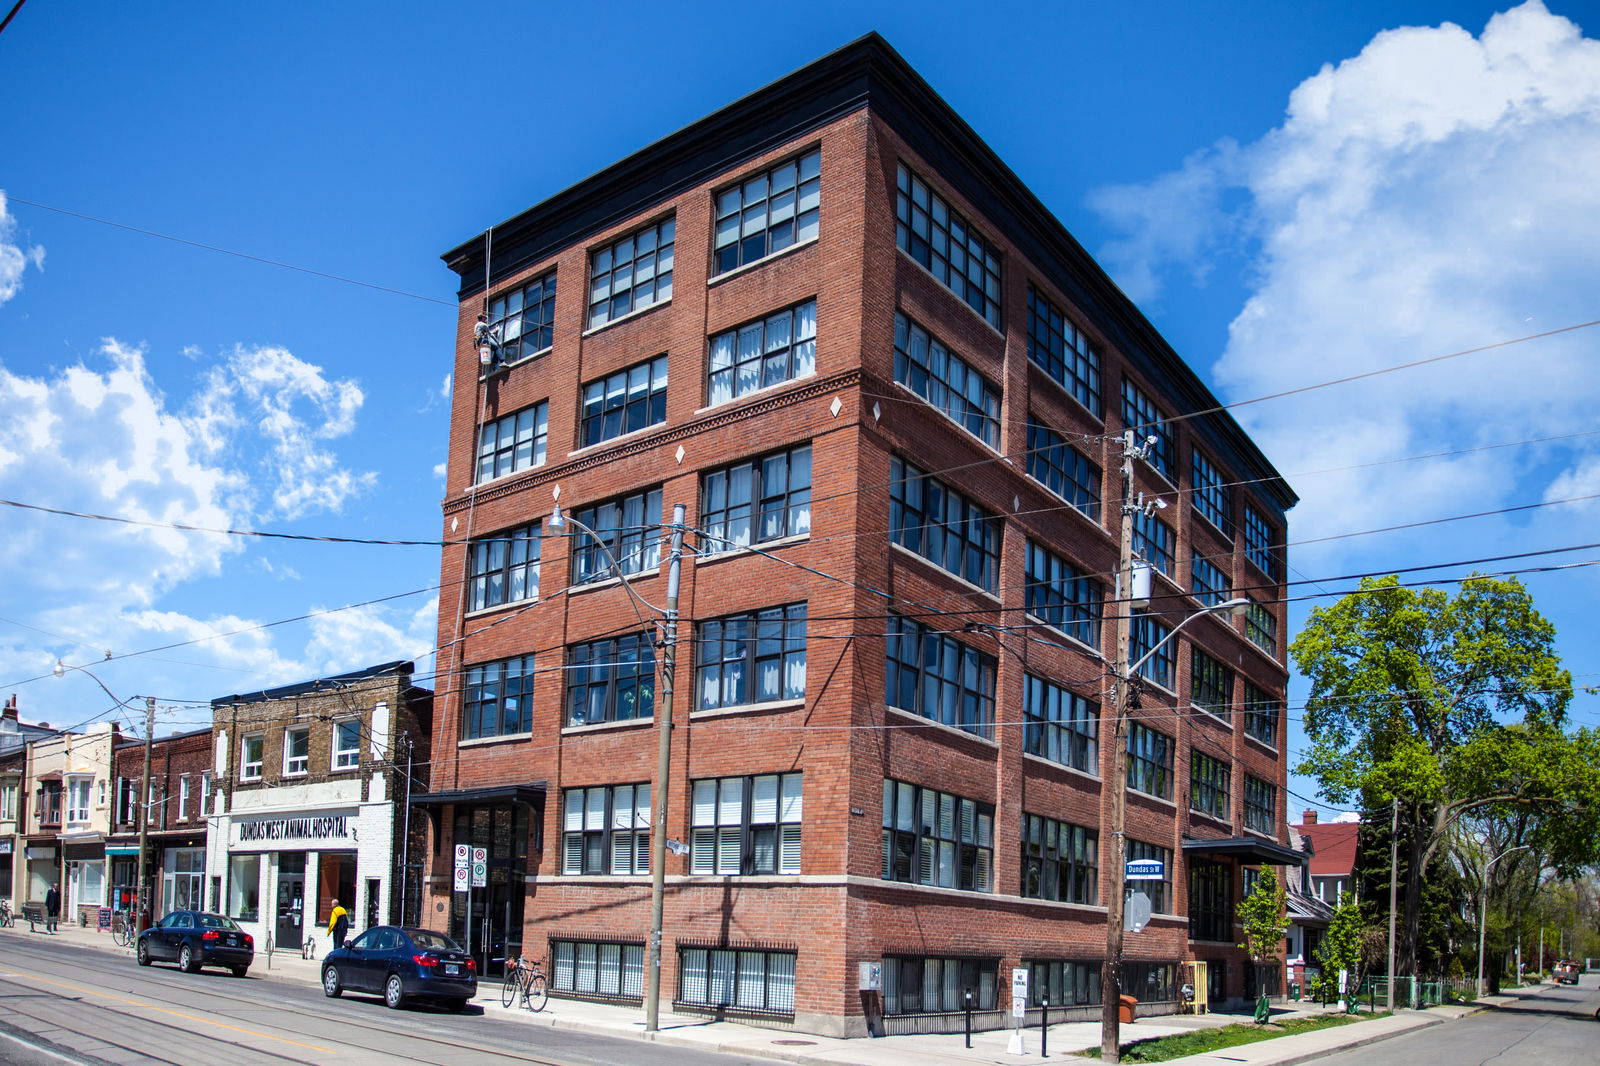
{"x": 1292, "y": 192}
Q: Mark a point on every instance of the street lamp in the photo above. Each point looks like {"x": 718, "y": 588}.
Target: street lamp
{"x": 141, "y": 895}
{"x": 1483, "y": 907}
{"x": 1115, "y": 846}
{"x": 669, "y": 662}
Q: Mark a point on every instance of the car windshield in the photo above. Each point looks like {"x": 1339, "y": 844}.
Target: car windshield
{"x": 216, "y": 921}
{"x": 428, "y": 940}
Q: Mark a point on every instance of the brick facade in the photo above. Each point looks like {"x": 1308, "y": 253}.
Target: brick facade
{"x": 180, "y": 776}
{"x": 869, "y": 115}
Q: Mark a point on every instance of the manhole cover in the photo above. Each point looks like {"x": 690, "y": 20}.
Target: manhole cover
{"x": 795, "y": 1043}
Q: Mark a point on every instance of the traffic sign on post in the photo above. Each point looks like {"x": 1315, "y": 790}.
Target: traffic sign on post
{"x": 463, "y": 868}
{"x": 1146, "y": 870}
{"x": 480, "y": 867}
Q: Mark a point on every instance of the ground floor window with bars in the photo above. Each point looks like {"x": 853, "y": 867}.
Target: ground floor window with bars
{"x": 1150, "y": 982}
{"x": 933, "y": 986}
{"x": 746, "y": 825}
{"x": 594, "y": 968}
{"x": 732, "y": 979}
{"x": 1063, "y": 983}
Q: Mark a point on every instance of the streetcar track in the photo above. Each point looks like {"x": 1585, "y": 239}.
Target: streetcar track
{"x": 353, "y": 1021}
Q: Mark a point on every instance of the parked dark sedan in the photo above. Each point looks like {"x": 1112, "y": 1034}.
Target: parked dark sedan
{"x": 402, "y": 964}
{"x": 194, "y": 939}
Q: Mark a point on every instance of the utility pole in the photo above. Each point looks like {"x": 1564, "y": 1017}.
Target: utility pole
{"x": 658, "y": 829}
{"x": 1114, "y": 847}
{"x": 1394, "y": 881}
{"x": 142, "y": 894}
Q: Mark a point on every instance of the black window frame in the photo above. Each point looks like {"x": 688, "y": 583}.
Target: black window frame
{"x": 1261, "y": 710}
{"x": 912, "y": 847}
{"x": 1261, "y": 627}
{"x": 1060, "y": 725}
{"x": 1210, "y": 784}
{"x": 731, "y": 362}
{"x": 742, "y": 203}
{"x": 487, "y": 689}
{"x": 597, "y": 848}
{"x": 946, "y": 249}
{"x": 1210, "y": 901}
{"x": 1210, "y": 493}
{"x": 1207, "y": 581}
{"x": 1161, "y": 668}
{"x": 946, "y": 380}
{"x": 502, "y": 317}
{"x": 1155, "y": 541}
{"x": 500, "y": 564}
{"x": 611, "y": 668}
{"x": 1150, "y": 759}
{"x": 918, "y": 671}
{"x": 778, "y": 505}
{"x": 777, "y": 997}
{"x": 566, "y": 968}
{"x": 607, "y": 415}
{"x": 905, "y": 979}
{"x": 929, "y": 518}
{"x": 739, "y": 646}
{"x": 661, "y": 237}
{"x": 500, "y": 443}
{"x": 1060, "y": 861}
{"x": 1063, "y": 982}
{"x": 760, "y": 847}
{"x": 635, "y": 545}
{"x": 1140, "y": 414}
{"x": 1065, "y": 353}
{"x": 1259, "y": 534}
{"x": 1210, "y": 684}
{"x": 1260, "y": 805}
{"x": 1063, "y": 469}
{"x": 1162, "y": 900}
{"x": 1063, "y": 596}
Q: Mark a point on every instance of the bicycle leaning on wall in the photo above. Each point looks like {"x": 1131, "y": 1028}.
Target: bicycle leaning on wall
{"x": 525, "y": 981}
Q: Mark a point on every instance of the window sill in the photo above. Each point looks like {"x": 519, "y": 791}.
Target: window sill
{"x": 956, "y": 731}
{"x": 963, "y": 582}
{"x": 745, "y": 551}
{"x": 1072, "y": 641}
{"x": 505, "y": 738}
{"x": 996, "y": 330}
{"x": 576, "y": 589}
{"x": 753, "y": 394}
{"x": 509, "y": 605}
{"x": 1067, "y": 392}
{"x": 994, "y": 452}
{"x": 602, "y": 727}
{"x": 756, "y": 264}
{"x": 609, "y": 442}
{"x": 296, "y": 773}
{"x": 1068, "y": 505}
{"x": 1134, "y": 793}
{"x": 749, "y": 708}
{"x": 629, "y": 317}
{"x": 1227, "y": 538}
{"x": 1268, "y": 745}
{"x": 343, "y": 769}
{"x": 1044, "y": 761}
{"x": 1225, "y": 721}
{"x": 497, "y": 367}
{"x": 479, "y": 486}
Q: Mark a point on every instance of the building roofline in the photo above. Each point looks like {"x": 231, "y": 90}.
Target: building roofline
{"x": 333, "y": 682}
{"x": 866, "y": 73}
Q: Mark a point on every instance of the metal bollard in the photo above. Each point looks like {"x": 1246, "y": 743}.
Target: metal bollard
{"x": 969, "y": 1017}
{"x": 1044, "y": 1028}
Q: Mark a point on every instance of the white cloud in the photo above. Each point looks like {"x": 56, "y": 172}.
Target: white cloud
{"x": 364, "y": 636}
{"x": 14, "y": 258}
{"x": 1432, "y": 194}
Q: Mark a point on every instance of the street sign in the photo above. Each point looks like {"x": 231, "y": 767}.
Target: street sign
{"x": 1146, "y": 870}
{"x": 1136, "y": 912}
{"x": 463, "y": 868}
{"x": 1019, "y": 993}
{"x": 480, "y": 867}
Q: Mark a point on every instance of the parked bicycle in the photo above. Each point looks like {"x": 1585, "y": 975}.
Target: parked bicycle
{"x": 524, "y": 981}
{"x": 308, "y": 948}
{"x": 6, "y": 918}
{"x": 122, "y": 929}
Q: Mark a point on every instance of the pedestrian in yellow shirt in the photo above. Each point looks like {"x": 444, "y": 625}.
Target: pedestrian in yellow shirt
{"x": 338, "y": 924}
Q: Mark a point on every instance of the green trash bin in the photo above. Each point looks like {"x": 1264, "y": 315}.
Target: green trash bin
{"x": 1294, "y": 991}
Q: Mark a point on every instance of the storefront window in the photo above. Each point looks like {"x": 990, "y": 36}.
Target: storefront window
{"x": 336, "y": 880}
{"x": 90, "y": 887}
{"x": 244, "y": 887}
{"x": 183, "y": 887}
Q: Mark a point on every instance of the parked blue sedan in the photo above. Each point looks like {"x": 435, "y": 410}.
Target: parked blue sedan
{"x": 402, "y": 965}
{"x": 194, "y": 939}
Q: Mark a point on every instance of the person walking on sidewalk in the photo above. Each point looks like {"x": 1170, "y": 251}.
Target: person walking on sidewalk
{"x": 52, "y": 907}
{"x": 338, "y": 924}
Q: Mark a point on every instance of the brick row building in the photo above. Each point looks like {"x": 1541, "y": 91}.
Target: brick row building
{"x": 890, "y": 390}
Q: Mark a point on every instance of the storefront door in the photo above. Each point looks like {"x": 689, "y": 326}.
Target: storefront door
{"x": 291, "y": 900}
{"x": 493, "y": 932}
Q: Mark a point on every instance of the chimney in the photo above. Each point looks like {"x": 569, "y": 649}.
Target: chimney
{"x": 1309, "y": 817}
{"x": 10, "y": 712}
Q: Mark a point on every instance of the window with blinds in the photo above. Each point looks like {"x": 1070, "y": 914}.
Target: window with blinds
{"x": 727, "y": 978}
{"x": 746, "y": 825}
{"x": 591, "y": 968}
{"x": 606, "y": 830}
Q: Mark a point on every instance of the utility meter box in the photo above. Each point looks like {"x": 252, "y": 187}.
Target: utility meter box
{"x": 871, "y": 976}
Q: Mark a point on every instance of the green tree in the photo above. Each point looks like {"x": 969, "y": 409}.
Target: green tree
{"x": 1263, "y": 917}
{"x": 1445, "y": 706}
{"x": 1341, "y": 949}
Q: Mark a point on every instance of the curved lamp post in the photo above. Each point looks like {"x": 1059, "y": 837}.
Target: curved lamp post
{"x": 669, "y": 661}
{"x": 1483, "y": 907}
{"x": 141, "y": 885}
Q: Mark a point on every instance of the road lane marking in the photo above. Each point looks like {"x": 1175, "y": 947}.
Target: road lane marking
{"x": 176, "y": 1013}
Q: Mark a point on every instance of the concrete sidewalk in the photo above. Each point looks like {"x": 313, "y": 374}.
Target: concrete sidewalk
{"x": 1065, "y": 1038}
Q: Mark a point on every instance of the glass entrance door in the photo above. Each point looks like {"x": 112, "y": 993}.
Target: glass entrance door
{"x": 291, "y": 903}
{"x": 491, "y": 928}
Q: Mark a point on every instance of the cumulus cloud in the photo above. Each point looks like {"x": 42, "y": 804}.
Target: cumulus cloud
{"x": 1434, "y": 193}
{"x": 14, "y": 258}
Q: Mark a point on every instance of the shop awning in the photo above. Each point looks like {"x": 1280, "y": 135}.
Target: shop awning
{"x": 530, "y": 795}
{"x": 122, "y": 849}
{"x": 1246, "y": 849}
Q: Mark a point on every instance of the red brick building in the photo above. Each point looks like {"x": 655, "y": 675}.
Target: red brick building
{"x": 890, "y": 390}
{"x": 178, "y": 801}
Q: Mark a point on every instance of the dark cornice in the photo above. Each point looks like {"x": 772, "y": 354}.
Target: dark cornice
{"x": 869, "y": 73}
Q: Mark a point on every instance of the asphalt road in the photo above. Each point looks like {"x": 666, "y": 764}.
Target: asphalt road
{"x": 1555, "y": 1028}
{"x": 64, "y": 1004}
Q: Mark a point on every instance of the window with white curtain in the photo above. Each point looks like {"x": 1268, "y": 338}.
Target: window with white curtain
{"x": 746, "y": 825}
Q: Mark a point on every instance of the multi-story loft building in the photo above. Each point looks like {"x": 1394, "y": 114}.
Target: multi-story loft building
{"x": 311, "y": 803}
{"x": 889, "y": 389}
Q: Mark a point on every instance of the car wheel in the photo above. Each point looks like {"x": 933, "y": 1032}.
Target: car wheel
{"x": 330, "y": 983}
{"x": 394, "y": 993}
{"x": 186, "y": 960}
{"x": 240, "y": 971}
{"x": 457, "y": 1006}
{"x": 141, "y": 954}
